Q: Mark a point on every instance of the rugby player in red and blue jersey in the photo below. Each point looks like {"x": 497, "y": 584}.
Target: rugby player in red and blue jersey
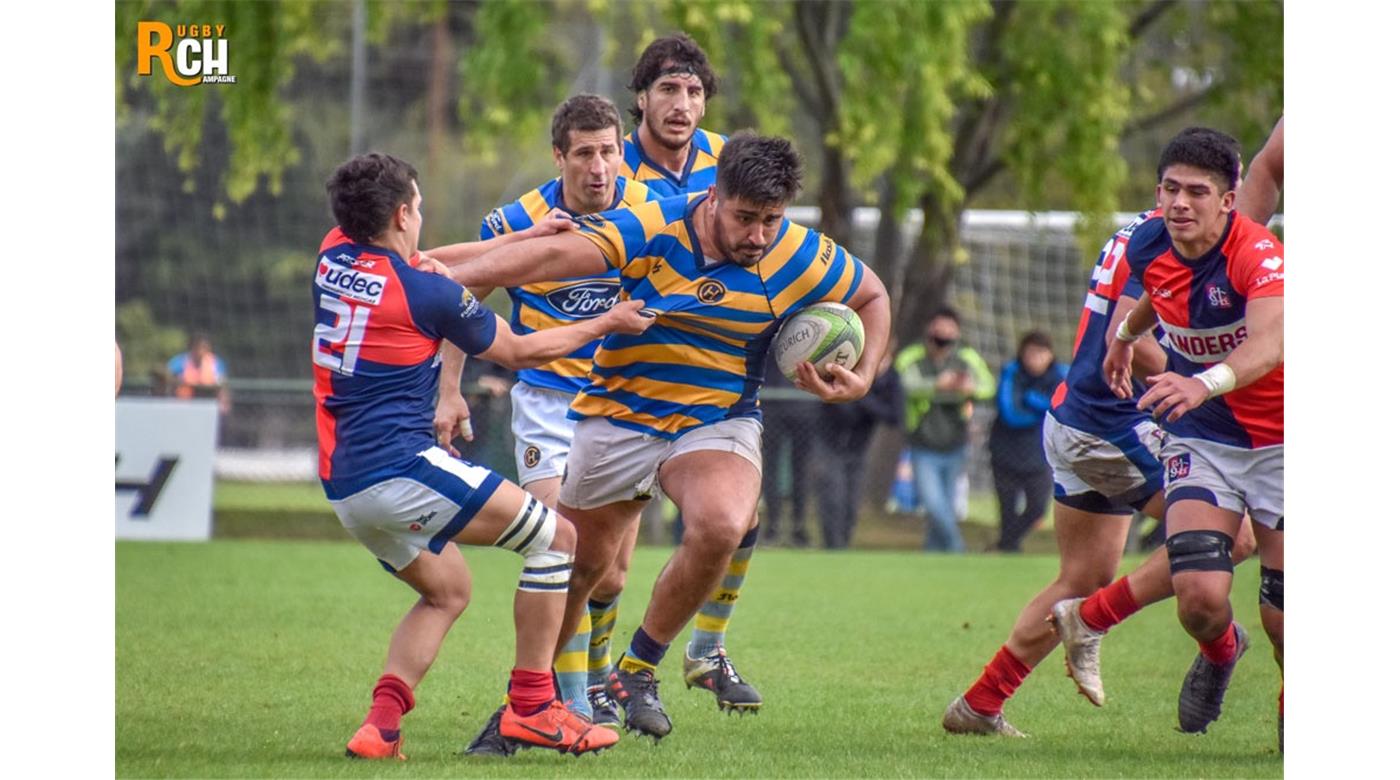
{"x": 379, "y": 323}
{"x": 1217, "y": 292}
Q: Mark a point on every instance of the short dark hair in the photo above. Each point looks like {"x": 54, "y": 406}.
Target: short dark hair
{"x": 365, "y": 192}
{"x": 945, "y": 312}
{"x": 1207, "y": 149}
{"x": 1034, "y": 338}
{"x": 587, "y": 113}
{"x": 675, "y": 53}
{"x": 759, "y": 169}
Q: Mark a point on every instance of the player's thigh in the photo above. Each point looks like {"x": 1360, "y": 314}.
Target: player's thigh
{"x": 542, "y": 429}
{"x": 1091, "y": 544}
{"x": 714, "y": 473}
{"x": 442, "y": 579}
{"x": 511, "y": 509}
{"x": 604, "y": 533}
{"x": 1270, "y": 546}
{"x": 546, "y": 490}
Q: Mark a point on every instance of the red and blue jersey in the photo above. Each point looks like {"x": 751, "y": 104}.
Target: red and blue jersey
{"x": 379, "y": 322}
{"x": 1084, "y": 400}
{"x": 1201, "y": 304}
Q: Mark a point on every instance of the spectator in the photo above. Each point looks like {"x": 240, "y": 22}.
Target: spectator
{"x": 846, "y": 431}
{"x": 199, "y": 373}
{"x": 787, "y": 430}
{"x": 1019, "y": 469}
{"x": 941, "y": 380}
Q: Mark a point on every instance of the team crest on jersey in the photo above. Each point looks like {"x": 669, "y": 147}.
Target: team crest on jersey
{"x": 1218, "y": 296}
{"x": 584, "y": 300}
{"x": 469, "y": 304}
{"x": 1178, "y": 467}
{"x": 710, "y": 291}
{"x": 532, "y": 456}
{"x": 348, "y": 283}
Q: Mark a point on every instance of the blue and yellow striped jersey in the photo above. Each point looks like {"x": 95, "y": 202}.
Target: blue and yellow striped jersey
{"x": 703, "y": 359}
{"x": 545, "y": 305}
{"x": 699, "y": 171}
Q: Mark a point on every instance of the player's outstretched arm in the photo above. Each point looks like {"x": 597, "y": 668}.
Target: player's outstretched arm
{"x": 455, "y": 254}
{"x": 871, "y": 302}
{"x": 516, "y": 352}
{"x": 559, "y": 256}
{"x": 1263, "y": 183}
{"x": 1173, "y": 395}
{"x": 1118, "y": 362}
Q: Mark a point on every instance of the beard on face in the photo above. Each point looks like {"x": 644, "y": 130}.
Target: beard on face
{"x": 659, "y": 131}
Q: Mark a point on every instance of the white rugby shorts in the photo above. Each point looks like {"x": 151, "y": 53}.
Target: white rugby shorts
{"x": 1121, "y": 469}
{"x": 422, "y": 508}
{"x": 539, "y": 421}
{"x": 608, "y": 463}
{"x": 1234, "y": 478}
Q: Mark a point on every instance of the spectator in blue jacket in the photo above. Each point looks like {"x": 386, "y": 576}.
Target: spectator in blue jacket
{"x": 1019, "y": 470}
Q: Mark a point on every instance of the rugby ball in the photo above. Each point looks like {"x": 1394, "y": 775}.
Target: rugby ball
{"x": 823, "y": 333}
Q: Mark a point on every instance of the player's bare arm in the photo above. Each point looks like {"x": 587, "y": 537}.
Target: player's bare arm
{"x": 516, "y": 352}
{"x": 1172, "y": 395}
{"x": 1118, "y": 363}
{"x": 558, "y": 256}
{"x": 1263, "y": 184}
{"x": 455, "y": 254}
{"x": 452, "y": 416}
{"x": 871, "y": 302}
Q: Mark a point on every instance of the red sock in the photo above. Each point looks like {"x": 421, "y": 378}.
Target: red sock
{"x": 392, "y": 698}
{"x": 1109, "y": 606}
{"x": 1221, "y": 650}
{"x": 530, "y": 691}
{"x": 999, "y": 680}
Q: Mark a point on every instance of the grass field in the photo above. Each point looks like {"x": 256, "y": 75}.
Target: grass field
{"x": 248, "y": 658}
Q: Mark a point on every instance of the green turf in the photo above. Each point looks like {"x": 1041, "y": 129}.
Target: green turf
{"x": 255, "y": 659}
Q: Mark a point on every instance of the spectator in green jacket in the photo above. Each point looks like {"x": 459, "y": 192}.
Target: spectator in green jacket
{"x": 941, "y": 380}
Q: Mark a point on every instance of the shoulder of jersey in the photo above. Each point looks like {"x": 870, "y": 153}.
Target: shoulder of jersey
{"x": 1149, "y": 240}
{"x": 709, "y": 141}
{"x": 1253, "y": 238}
{"x": 635, "y": 193}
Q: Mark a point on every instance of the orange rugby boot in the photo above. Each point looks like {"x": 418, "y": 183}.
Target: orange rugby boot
{"x": 559, "y": 728}
{"x": 374, "y": 743}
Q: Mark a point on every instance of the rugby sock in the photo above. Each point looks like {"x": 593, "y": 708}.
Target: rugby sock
{"x": 571, "y": 667}
{"x": 530, "y": 691}
{"x": 604, "y": 616}
{"x": 1109, "y": 606}
{"x": 713, "y": 619}
{"x": 1221, "y": 650}
{"x": 392, "y": 698}
{"x": 643, "y": 653}
{"x": 998, "y": 682}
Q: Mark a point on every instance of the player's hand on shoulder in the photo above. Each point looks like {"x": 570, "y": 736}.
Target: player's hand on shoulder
{"x": 451, "y": 418}
{"x": 556, "y": 221}
{"x": 428, "y": 265}
{"x": 629, "y": 317}
{"x": 844, "y": 385}
{"x": 1118, "y": 368}
{"x": 1172, "y": 395}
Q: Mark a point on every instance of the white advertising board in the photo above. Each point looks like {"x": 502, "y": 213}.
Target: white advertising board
{"x": 165, "y": 468}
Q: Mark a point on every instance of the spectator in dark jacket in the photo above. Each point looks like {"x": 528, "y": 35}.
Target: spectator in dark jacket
{"x": 1019, "y": 470}
{"x": 846, "y": 430}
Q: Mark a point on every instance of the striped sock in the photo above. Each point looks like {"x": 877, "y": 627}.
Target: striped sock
{"x": 604, "y": 616}
{"x": 643, "y": 653}
{"x": 713, "y": 619}
{"x": 571, "y": 670}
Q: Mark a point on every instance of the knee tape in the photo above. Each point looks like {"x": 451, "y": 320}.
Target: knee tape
{"x": 1271, "y": 587}
{"x": 1200, "y": 551}
{"x": 530, "y": 534}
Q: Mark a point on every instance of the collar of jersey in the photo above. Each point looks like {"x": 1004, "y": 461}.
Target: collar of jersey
{"x": 679, "y": 181}
{"x": 1224, "y": 236}
{"x": 619, "y": 187}
{"x": 369, "y": 249}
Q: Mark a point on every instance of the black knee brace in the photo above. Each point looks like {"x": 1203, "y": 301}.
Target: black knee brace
{"x": 1271, "y": 587}
{"x": 1200, "y": 551}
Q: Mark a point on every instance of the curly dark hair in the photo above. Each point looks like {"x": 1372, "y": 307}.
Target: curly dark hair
{"x": 759, "y": 169}
{"x": 675, "y": 53}
{"x": 365, "y": 192}
{"x": 1207, "y": 149}
{"x": 587, "y": 113}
